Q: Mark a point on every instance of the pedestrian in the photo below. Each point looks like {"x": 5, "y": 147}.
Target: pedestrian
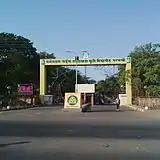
{"x": 118, "y": 103}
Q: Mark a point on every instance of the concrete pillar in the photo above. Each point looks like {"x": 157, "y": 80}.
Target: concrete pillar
{"x": 84, "y": 98}
{"x": 129, "y": 84}
{"x": 92, "y": 99}
{"x": 42, "y": 80}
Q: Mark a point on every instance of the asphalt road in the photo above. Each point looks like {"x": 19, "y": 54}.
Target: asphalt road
{"x": 49, "y": 133}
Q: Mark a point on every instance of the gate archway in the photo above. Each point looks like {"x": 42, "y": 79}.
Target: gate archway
{"x": 44, "y": 63}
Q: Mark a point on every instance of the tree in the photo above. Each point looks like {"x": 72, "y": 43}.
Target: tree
{"x": 44, "y": 54}
{"x": 145, "y": 70}
{"x": 109, "y": 86}
{"x": 17, "y": 60}
{"x": 64, "y": 79}
{"x": 19, "y": 63}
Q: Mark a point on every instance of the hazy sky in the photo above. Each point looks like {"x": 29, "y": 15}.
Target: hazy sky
{"x": 105, "y": 28}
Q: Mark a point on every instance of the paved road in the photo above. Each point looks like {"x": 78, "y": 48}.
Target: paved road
{"x": 49, "y": 133}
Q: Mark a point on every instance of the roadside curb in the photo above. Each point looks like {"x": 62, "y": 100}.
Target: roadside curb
{"x": 11, "y": 108}
{"x": 136, "y": 108}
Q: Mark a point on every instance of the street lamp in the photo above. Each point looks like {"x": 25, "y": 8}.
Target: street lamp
{"x": 76, "y": 58}
{"x": 85, "y": 56}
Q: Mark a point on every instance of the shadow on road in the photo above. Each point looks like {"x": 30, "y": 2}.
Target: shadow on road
{"x": 109, "y": 108}
{"x": 64, "y": 129}
{"x": 106, "y": 110}
{"x": 13, "y": 143}
{"x": 79, "y": 156}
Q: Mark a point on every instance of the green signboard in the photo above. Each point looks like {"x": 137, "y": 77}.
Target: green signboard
{"x": 89, "y": 61}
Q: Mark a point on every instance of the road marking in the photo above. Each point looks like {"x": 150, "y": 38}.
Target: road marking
{"x": 69, "y": 130}
{"x": 38, "y": 113}
{"x": 30, "y": 115}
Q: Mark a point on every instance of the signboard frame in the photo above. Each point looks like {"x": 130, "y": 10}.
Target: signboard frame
{"x": 22, "y": 89}
{"x": 72, "y": 100}
{"x": 82, "y": 88}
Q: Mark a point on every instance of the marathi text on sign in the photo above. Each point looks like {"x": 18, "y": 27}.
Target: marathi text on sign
{"x": 90, "y": 61}
{"x": 25, "y": 89}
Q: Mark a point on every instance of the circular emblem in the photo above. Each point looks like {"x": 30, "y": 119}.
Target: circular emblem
{"x": 85, "y": 55}
{"x": 72, "y": 100}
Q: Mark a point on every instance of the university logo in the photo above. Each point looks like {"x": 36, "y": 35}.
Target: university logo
{"x": 72, "y": 100}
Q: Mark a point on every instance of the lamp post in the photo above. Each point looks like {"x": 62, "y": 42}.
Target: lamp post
{"x": 85, "y": 56}
{"x": 76, "y": 58}
{"x": 84, "y": 53}
{"x": 76, "y": 89}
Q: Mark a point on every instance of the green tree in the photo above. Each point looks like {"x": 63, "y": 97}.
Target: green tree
{"x": 19, "y": 63}
{"x": 64, "y": 79}
{"x": 17, "y": 60}
{"x": 109, "y": 86}
{"x": 145, "y": 70}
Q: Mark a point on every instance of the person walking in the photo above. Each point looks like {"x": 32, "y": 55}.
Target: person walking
{"x": 117, "y": 103}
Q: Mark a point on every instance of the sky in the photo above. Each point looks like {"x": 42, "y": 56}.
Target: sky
{"x": 105, "y": 28}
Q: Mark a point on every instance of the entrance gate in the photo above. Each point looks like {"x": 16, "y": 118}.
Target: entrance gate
{"x": 86, "y": 62}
